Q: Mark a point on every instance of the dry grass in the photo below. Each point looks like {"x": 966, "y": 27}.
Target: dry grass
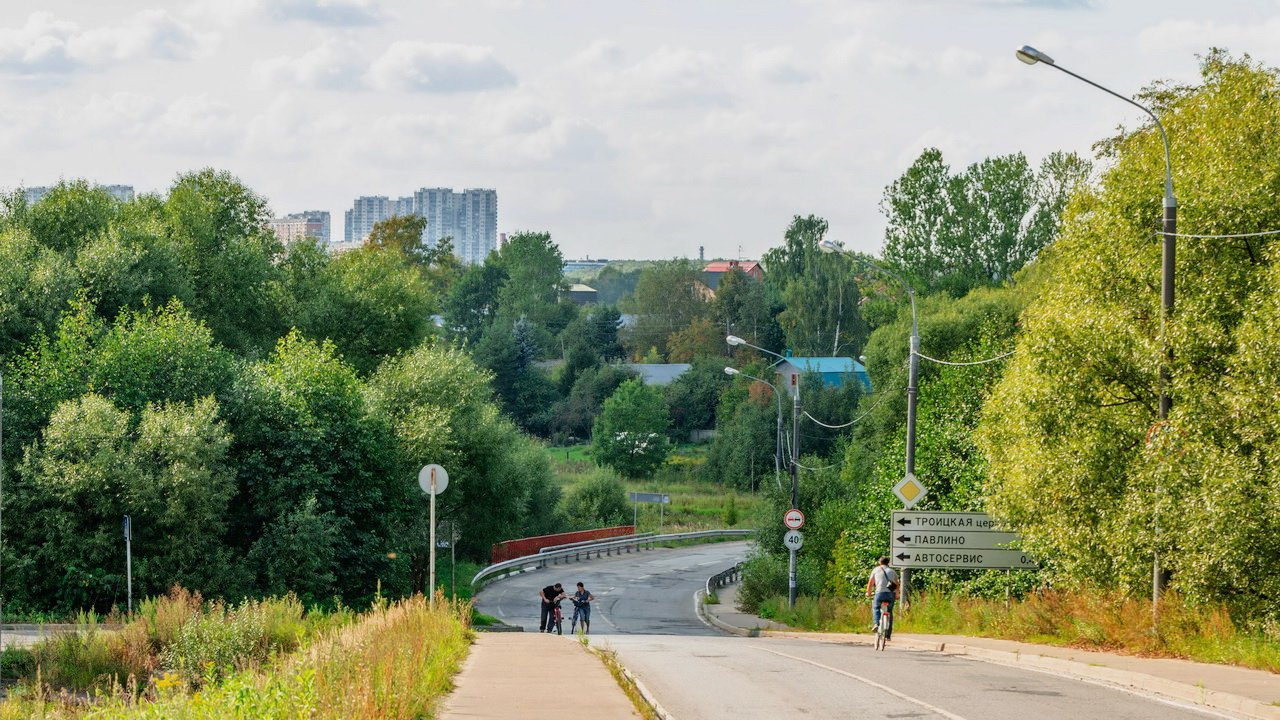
{"x": 1085, "y": 619}
{"x": 396, "y": 662}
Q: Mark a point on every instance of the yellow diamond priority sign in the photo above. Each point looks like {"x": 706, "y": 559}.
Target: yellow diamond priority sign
{"x": 910, "y": 491}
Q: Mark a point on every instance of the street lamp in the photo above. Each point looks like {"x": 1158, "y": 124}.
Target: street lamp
{"x": 1031, "y": 56}
{"x": 735, "y": 341}
{"x": 913, "y": 368}
{"x": 1, "y": 511}
{"x": 777, "y": 445}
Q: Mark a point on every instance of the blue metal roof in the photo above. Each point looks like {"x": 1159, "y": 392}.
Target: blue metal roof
{"x": 825, "y": 364}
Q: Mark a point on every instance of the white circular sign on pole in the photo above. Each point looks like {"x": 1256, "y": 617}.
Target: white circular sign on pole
{"x": 433, "y": 479}
{"x": 793, "y": 519}
{"x": 793, "y": 540}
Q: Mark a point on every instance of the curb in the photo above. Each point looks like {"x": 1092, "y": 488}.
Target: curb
{"x": 1140, "y": 682}
{"x": 710, "y": 618}
{"x": 650, "y": 699}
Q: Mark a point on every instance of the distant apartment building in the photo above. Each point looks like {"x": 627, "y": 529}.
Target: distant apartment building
{"x": 469, "y": 217}
{"x": 370, "y": 210}
{"x": 295, "y": 226}
{"x": 123, "y": 193}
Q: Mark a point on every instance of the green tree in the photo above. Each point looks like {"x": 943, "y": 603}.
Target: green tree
{"x": 819, "y": 291}
{"x": 601, "y": 501}
{"x": 1078, "y": 461}
{"x": 399, "y": 233}
{"x": 472, "y": 303}
{"x": 669, "y": 296}
{"x": 630, "y": 433}
{"x": 70, "y": 215}
{"x": 534, "y": 269}
{"x": 36, "y": 283}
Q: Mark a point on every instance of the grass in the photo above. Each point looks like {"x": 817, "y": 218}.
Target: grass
{"x": 695, "y": 504}
{"x": 1084, "y": 619}
{"x": 624, "y": 680}
{"x": 395, "y": 661}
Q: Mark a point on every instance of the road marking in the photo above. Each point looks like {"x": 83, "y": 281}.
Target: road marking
{"x": 872, "y": 683}
{"x": 709, "y": 562}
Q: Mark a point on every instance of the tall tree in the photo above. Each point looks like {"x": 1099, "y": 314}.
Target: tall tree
{"x": 630, "y": 433}
{"x": 819, "y": 290}
{"x": 669, "y": 296}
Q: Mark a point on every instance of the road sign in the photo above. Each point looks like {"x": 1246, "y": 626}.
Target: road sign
{"x": 910, "y": 491}
{"x": 433, "y": 479}
{"x": 793, "y": 519}
{"x": 955, "y": 558}
{"x": 952, "y": 540}
{"x": 793, "y": 540}
{"x": 647, "y": 497}
{"x": 942, "y": 539}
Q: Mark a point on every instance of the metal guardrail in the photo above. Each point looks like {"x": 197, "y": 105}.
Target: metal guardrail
{"x": 580, "y": 543}
{"x": 600, "y": 548}
{"x": 723, "y": 578}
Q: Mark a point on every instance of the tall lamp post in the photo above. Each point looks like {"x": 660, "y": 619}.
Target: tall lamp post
{"x": 1, "y": 511}
{"x": 777, "y": 443}
{"x": 1031, "y": 56}
{"x": 913, "y": 370}
{"x": 795, "y": 461}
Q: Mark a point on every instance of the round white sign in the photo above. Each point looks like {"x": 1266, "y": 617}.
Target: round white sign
{"x": 793, "y": 540}
{"x": 793, "y": 519}
{"x": 433, "y": 479}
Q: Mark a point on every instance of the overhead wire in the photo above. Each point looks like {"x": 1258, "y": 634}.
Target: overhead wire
{"x": 871, "y": 409}
{"x": 963, "y": 364}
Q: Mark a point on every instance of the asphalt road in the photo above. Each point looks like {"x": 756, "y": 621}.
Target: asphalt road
{"x": 645, "y": 612}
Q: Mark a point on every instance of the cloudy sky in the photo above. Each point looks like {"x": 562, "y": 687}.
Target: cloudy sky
{"x": 626, "y": 129}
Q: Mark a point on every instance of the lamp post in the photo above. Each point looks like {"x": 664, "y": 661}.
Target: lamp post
{"x": 913, "y": 370}
{"x": 1, "y": 512}
{"x": 795, "y": 460}
{"x": 777, "y": 443}
{"x": 1032, "y": 56}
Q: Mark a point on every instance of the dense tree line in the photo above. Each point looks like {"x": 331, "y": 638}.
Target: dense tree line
{"x": 259, "y": 411}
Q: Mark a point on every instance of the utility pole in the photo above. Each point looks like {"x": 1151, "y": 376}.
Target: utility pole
{"x": 795, "y": 484}
{"x": 128, "y": 560}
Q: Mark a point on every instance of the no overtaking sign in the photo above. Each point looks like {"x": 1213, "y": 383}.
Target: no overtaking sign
{"x": 793, "y": 519}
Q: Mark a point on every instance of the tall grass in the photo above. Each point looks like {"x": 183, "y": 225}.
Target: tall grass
{"x": 396, "y": 662}
{"x": 1087, "y": 619}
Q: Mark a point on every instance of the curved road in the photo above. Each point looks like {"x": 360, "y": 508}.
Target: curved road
{"x": 644, "y": 611}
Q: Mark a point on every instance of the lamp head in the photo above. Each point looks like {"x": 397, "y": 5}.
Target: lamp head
{"x": 731, "y": 371}
{"x": 1031, "y": 56}
{"x": 831, "y": 246}
{"x": 735, "y": 340}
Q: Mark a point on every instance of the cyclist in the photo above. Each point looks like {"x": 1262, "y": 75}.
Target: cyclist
{"x": 582, "y": 606}
{"x": 882, "y": 587}
{"x": 550, "y": 595}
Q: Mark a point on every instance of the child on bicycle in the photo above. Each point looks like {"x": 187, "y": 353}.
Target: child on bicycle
{"x": 582, "y": 606}
{"x": 882, "y": 587}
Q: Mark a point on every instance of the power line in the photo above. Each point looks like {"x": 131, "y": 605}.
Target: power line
{"x": 871, "y": 409}
{"x": 963, "y": 364}
{"x": 1220, "y": 237}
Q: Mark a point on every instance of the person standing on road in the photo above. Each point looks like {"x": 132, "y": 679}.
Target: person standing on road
{"x": 582, "y": 606}
{"x": 550, "y": 595}
{"x": 882, "y": 587}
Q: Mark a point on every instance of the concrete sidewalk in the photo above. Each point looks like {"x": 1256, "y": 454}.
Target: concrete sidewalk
{"x": 1248, "y": 693}
{"x": 534, "y": 675}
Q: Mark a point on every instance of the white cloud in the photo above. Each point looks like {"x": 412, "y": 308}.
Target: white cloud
{"x": 334, "y": 64}
{"x": 47, "y": 46}
{"x": 599, "y": 54}
{"x": 777, "y": 65}
{"x": 1260, "y": 38}
{"x": 438, "y": 68}
{"x": 674, "y": 77}
{"x": 342, "y": 13}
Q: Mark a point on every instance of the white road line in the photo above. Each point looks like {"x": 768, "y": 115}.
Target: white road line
{"x": 872, "y": 683}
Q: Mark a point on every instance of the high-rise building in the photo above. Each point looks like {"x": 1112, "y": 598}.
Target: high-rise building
{"x": 308, "y": 223}
{"x": 123, "y": 193}
{"x": 469, "y": 218}
{"x": 370, "y": 210}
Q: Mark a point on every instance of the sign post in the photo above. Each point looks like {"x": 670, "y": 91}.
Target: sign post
{"x": 128, "y": 560}
{"x": 433, "y": 480}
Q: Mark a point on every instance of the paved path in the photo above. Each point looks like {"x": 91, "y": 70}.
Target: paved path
{"x": 532, "y": 675}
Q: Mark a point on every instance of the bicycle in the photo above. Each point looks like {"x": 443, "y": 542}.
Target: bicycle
{"x": 882, "y": 628}
{"x": 579, "y": 611}
{"x": 556, "y": 619}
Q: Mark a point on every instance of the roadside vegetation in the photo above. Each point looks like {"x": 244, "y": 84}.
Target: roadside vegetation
{"x": 183, "y": 657}
{"x": 1086, "y": 619}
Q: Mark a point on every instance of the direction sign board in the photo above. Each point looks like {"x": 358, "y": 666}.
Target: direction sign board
{"x": 793, "y": 540}
{"x": 647, "y": 497}
{"x": 934, "y": 558}
{"x": 953, "y": 540}
{"x": 793, "y": 519}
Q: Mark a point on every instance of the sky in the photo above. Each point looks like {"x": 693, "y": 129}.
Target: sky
{"x": 625, "y": 129}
